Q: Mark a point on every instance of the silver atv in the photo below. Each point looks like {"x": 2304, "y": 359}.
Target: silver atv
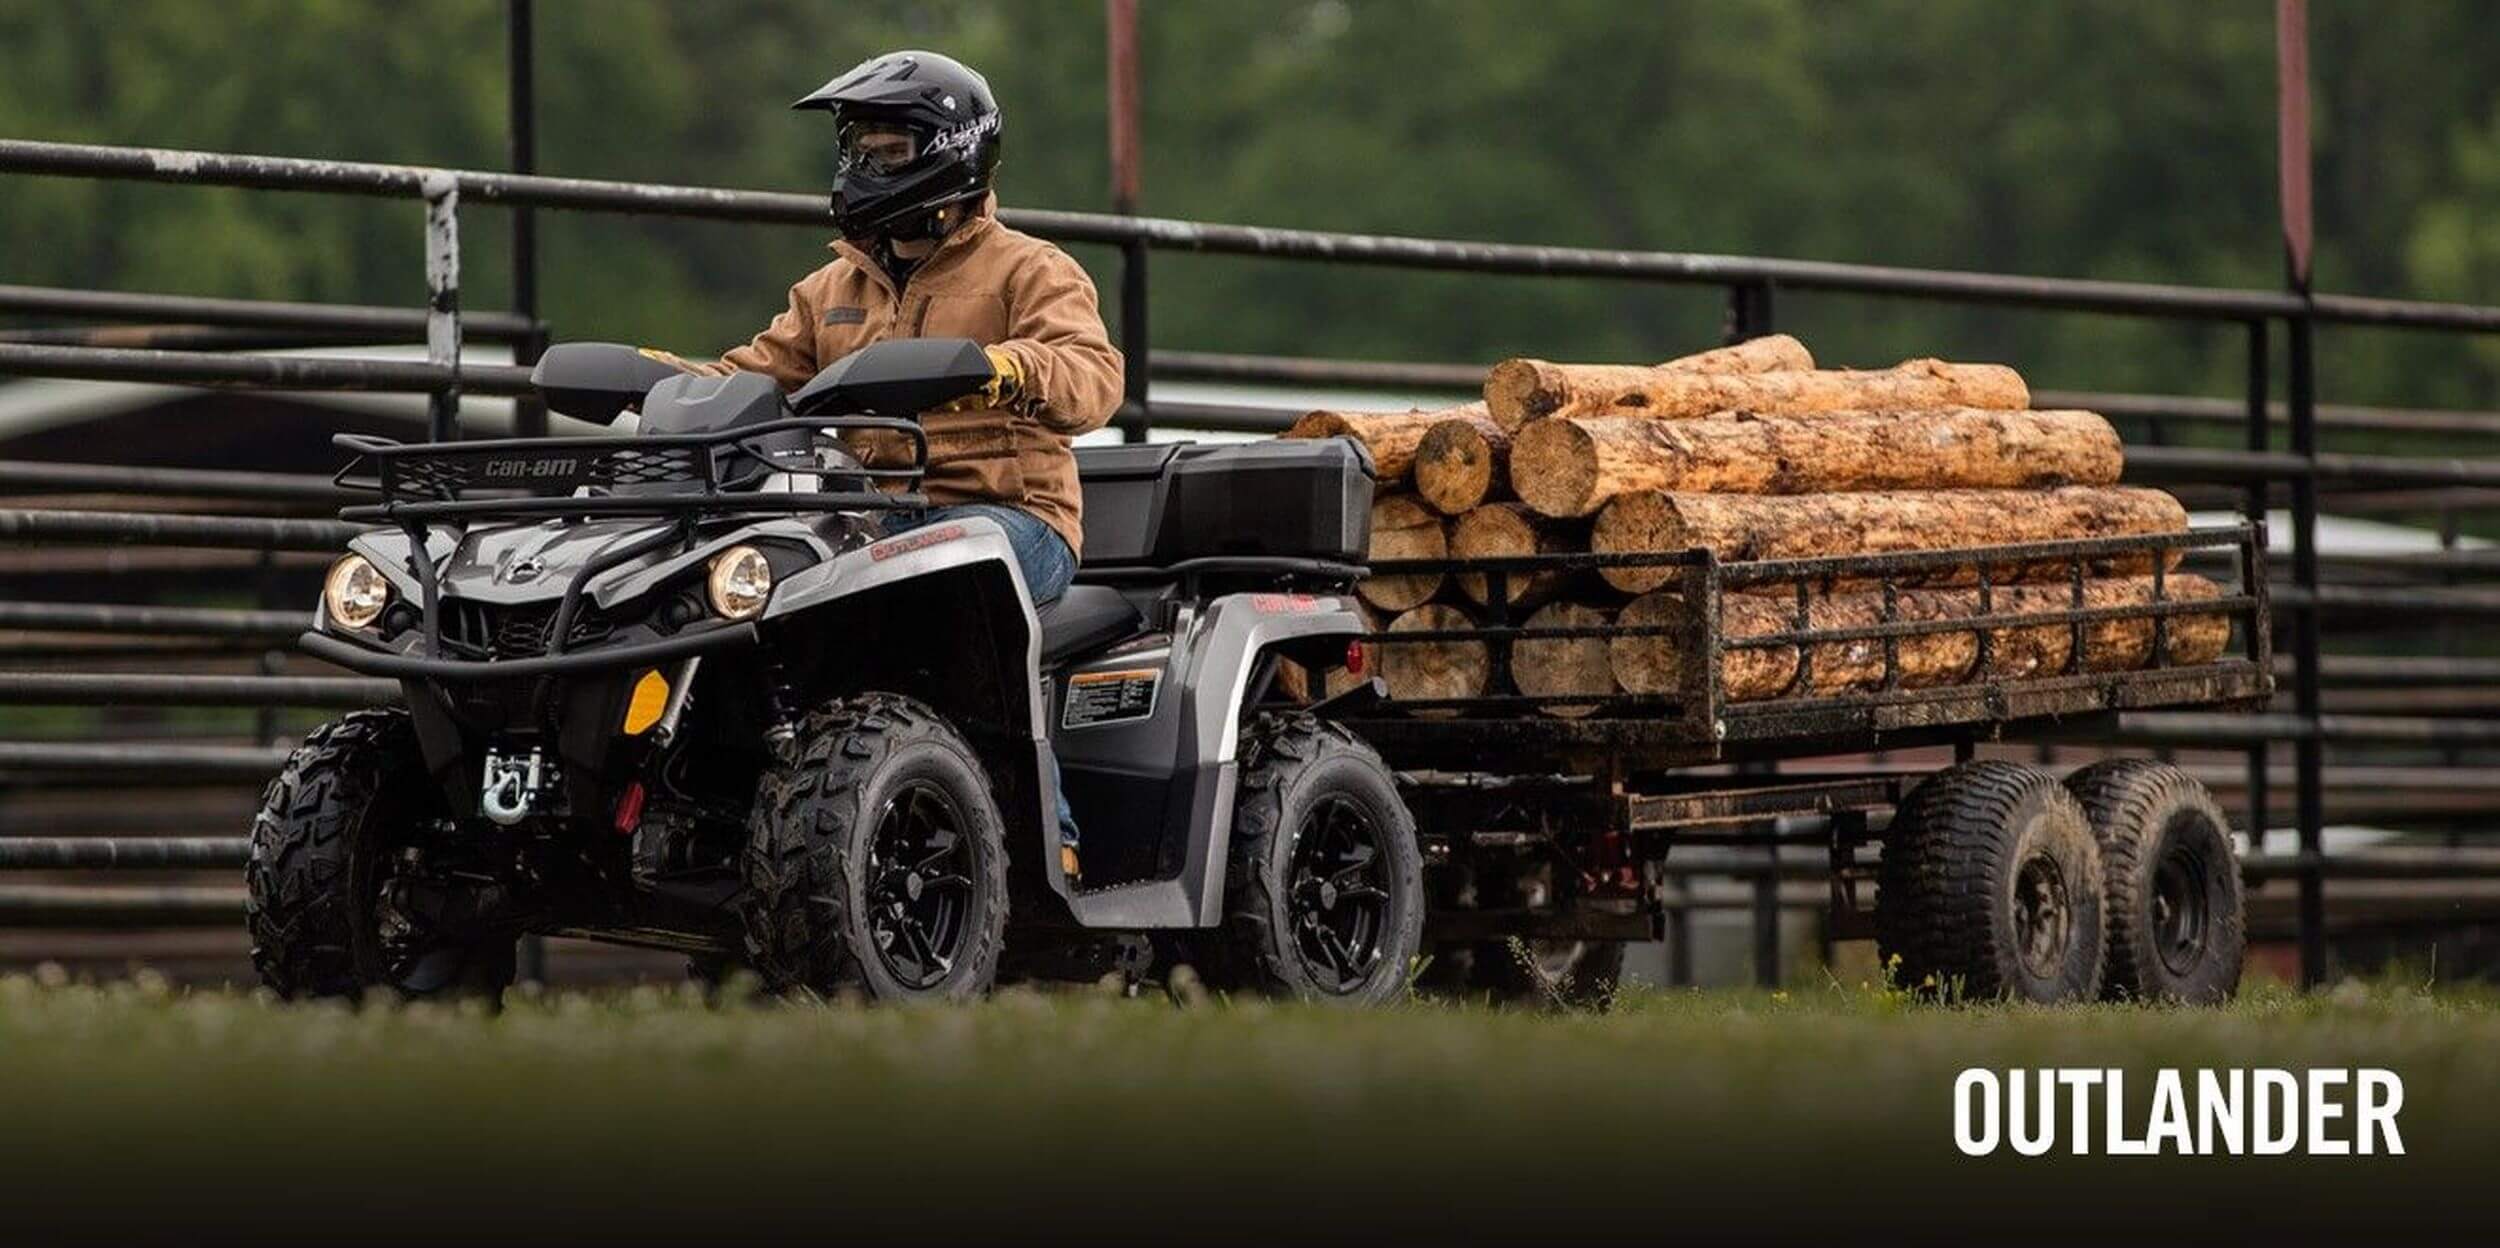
{"x": 693, "y": 687}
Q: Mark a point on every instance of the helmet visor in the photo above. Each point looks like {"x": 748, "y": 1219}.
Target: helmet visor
{"x": 876, "y": 145}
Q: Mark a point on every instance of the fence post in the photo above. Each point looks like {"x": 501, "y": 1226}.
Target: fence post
{"x": 529, "y": 414}
{"x": 1748, "y": 312}
{"x": 442, "y": 298}
{"x": 1138, "y": 423}
{"x": 2260, "y": 439}
{"x": 2308, "y": 748}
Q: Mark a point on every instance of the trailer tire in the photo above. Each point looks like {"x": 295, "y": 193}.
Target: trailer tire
{"x": 876, "y": 859}
{"x": 1990, "y": 887}
{"x": 2172, "y": 884}
{"x": 322, "y": 861}
{"x": 1324, "y": 896}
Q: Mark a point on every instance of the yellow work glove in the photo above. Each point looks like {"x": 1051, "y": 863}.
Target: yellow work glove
{"x": 1005, "y": 386}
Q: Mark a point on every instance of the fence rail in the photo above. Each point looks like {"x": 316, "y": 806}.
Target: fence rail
{"x": 2278, "y": 327}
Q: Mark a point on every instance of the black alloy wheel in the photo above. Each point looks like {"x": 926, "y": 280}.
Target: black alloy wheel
{"x": 1324, "y": 892}
{"x": 1339, "y": 895}
{"x": 920, "y": 866}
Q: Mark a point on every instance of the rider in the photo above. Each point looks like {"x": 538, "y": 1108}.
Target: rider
{"x": 923, "y": 255}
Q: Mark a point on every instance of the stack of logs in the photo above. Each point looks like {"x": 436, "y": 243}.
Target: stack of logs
{"x": 1751, "y": 452}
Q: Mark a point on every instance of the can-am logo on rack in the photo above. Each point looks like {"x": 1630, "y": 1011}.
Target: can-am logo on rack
{"x": 537, "y": 472}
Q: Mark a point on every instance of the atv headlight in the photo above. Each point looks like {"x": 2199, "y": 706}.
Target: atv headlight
{"x": 741, "y": 580}
{"x": 355, "y": 591}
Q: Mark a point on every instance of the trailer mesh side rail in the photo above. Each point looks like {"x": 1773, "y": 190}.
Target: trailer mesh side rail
{"x": 1702, "y": 722}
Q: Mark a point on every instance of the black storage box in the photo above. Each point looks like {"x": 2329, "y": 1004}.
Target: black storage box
{"x": 1293, "y": 498}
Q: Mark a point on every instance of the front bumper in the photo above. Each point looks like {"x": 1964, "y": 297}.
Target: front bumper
{"x": 372, "y": 662}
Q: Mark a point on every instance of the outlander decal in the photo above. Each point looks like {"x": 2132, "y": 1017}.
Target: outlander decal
{"x": 917, "y": 539}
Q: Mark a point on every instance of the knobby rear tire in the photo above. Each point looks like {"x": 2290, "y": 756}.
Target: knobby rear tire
{"x": 1298, "y": 774}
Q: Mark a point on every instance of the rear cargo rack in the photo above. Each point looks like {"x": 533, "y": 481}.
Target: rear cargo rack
{"x": 1700, "y": 721}
{"x": 636, "y": 475}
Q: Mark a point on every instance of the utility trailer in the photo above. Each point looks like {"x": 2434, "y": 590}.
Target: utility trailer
{"x": 1546, "y": 835}
{"x": 689, "y": 687}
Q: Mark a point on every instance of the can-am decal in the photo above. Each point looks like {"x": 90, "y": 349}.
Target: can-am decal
{"x": 1283, "y": 604}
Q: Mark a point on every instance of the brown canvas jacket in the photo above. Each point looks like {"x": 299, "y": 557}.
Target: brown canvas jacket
{"x": 999, "y": 287}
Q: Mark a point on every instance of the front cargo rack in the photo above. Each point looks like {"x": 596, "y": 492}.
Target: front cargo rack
{"x": 1699, "y": 720}
{"x": 634, "y": 475}
{"x": 683, "y": 478}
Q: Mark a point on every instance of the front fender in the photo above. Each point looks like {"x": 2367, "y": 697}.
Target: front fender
{"x": 972, "y": 544}
{"x": 950, "y": 602}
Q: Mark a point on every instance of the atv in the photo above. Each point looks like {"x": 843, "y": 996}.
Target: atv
{"x": 689, "y": 686}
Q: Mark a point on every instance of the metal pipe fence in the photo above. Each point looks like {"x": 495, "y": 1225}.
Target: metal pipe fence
{"x": 2279, "y": 330}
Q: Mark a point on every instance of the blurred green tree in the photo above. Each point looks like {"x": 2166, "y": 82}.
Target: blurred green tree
{"x": 2111, "y": 139}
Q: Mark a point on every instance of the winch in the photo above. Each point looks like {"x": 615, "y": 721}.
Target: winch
{"x": 511, "y": 784}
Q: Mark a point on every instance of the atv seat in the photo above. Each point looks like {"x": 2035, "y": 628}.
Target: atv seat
{"x": 1084, "y": 618}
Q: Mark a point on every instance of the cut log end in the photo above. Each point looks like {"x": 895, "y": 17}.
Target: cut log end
{"x": 1403, "y": 529}
{"x": 1458, "y": 463}
{"x": 1518, "y": 391}
{"x": 1508, "y": 531}
{"x": 1432, "y": 670}
{"x": 1554, "y": 467}
{"x": 1564, "y": 666}
{"x": 1645, "y": 521}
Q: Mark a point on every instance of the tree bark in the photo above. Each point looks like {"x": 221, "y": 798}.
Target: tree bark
{"x": 1520, "y": 391}
{"x": 1655, "y": 664}
{"x": 1571, "y": 466}
{"x": 1434, "y": 669}
{"x": 1564, "y": 666}
{"x": 1509, "y": 530}
{"x": 1404, "y": 529}
{"x": 1391, "y": 437}
{"x": 1460, "y": 461}
{"x": 1530, "y": 389}
{"x": 1745, "y": 527}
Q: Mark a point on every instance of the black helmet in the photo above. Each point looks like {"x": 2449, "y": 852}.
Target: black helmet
{"x": 916, "y": 131}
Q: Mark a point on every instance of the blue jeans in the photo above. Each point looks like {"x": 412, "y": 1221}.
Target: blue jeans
{"x": 1048, "y": 566}
{"x": 1042, "y": 554}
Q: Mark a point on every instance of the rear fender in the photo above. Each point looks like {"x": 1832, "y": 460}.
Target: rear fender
{"x": 1223, "y": 653}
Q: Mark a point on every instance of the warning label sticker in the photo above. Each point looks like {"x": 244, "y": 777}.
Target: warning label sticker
{"x": 1097, "y": 698}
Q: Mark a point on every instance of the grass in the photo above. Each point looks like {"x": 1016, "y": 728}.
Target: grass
{"x": 651, "y": 1110}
